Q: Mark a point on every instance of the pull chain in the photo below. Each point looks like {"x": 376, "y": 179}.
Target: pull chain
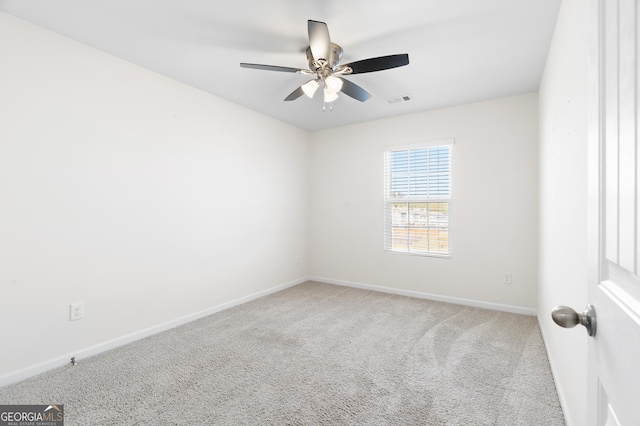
{"x": 324, "y": 106}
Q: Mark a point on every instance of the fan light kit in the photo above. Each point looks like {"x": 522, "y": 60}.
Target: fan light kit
{"x": 324, "y": 58}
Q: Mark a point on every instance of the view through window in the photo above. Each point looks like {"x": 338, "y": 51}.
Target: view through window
{"x": 418, "y": 200}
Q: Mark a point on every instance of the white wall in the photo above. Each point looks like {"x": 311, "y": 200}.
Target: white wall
{"x": 495, "y": 185}
{"x": 142, "y": 197}
{"x": 563, "y": 203}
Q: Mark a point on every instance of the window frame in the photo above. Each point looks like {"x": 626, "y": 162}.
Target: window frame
{"x": 389, "y": 201}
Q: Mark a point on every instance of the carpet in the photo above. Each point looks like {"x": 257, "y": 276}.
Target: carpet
{"x": 316, "y": 354}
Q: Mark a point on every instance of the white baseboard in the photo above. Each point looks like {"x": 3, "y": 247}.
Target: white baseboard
{"x": 141, "y": 334}
{"x": 559, "y": 388}
{"x": 448, "y": 299}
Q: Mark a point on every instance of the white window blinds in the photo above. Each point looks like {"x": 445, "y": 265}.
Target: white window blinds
{"x": 418, "y": 201}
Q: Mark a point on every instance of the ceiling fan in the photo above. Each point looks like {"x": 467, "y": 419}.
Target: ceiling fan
{"x": 324, "y": 62}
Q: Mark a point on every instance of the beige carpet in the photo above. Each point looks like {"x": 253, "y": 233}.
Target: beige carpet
{"x": 316, "y": 354}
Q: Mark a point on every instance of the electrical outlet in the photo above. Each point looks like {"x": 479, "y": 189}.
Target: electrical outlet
{"x": 506, "y": 278}
{"x": 76, "y": 311}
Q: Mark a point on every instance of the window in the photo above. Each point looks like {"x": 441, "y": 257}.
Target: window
{"x": 417, "y": 186}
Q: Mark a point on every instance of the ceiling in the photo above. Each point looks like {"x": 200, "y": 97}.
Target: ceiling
{"x": 460, "y": 51}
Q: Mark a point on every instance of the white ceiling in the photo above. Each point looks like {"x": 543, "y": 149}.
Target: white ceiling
{"x": 460, "y": 51}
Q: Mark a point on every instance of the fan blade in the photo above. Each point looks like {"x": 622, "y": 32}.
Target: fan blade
{"x": 319, "y": 40}
{"x": 295, "y": 94}
{"x": 379, "y": 64}
{"x": 355, "y": 91}
{"x": 270, "y": 67}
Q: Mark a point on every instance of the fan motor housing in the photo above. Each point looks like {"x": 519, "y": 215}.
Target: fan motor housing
{"x": 334, "y": 59}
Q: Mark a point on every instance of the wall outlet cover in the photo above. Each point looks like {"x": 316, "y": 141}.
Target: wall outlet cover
{"x": 76, "y": 311}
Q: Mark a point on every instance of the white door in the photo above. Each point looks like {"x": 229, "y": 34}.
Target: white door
{"x": 614, "y": 203}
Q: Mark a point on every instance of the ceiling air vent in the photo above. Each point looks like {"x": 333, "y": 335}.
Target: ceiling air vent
{"x": 397, "y": 99}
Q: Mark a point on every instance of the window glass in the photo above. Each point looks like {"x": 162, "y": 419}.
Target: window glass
{"x": 418, "y": 201}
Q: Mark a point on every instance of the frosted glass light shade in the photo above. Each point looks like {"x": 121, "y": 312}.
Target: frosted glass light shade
{"x": 333, "y": 84}
{"x": 329, "y": 97}
{"x": 310, "y": 87}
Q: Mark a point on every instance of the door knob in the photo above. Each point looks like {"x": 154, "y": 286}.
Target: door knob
{"x": 566, "y": 317}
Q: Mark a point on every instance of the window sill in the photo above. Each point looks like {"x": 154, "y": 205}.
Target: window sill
{"x": 407, "y": 253}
